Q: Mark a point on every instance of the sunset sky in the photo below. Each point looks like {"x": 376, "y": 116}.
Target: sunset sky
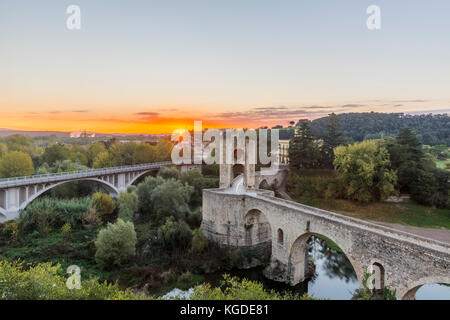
{"x": 154, "y": 66}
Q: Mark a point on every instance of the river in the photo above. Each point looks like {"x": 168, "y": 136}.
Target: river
{"x": 334, "y": 277}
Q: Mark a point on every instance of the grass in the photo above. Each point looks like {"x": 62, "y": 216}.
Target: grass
{"x": 442, "y": 164}
{"x": 401, "y": 213}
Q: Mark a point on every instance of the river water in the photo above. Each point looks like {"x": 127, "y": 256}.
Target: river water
{"x": 334, "y": 277}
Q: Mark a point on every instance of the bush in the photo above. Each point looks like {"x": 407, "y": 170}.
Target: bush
{"x": 44, "y": 282}
{"x": 115, "y": 244}
{"x": 175, "y": 235}
{"x": 46, "y": 213}
{"x": 232, "y": 288}
{"x": 169, "y": 173}
{"x": 103, "y": 203}
{"x": 199, "y": 242}
{"x": 194, "y": 219}
{"x": 12, "y": 228}
{"x": 128, "y": 205}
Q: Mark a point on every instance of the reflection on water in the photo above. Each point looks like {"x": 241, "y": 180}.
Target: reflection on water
{"x": 334, "y": 277}
{"x": 433, "y": 292}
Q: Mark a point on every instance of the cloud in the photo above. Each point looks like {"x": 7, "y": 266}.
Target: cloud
{"x": 148, "y": 114}
{"x": 80, "y": 111}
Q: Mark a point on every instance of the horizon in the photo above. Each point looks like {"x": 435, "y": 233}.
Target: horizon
{"x": 150, "y": 67}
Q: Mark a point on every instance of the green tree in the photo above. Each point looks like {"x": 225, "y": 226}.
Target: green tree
{"x": 18, "y": 142}
{"x": 94, "y": 150}
{"x": 115, "y": 244}
{"x": 195, "y": 179}
{"x": 163, "y": 150}
{"x": 365, "y": 170}
{"x": 304, "y": 151}
{"x": 103, "y": 160}
{"x": 3, "y": 149}
{"x": 103, "y": 203}
{"x": 122, "y": 153}
{"x": 171, "y": 199}
{"x": 333, "y": 138}
{"x": 128, "y": 205}
{"x": 169, "y": 173}
{"x": 55, "y": 152}
{"x": 143, "y": 153}
{"x": 144, "y": 192}
{"x": 15, "y": 164}
{"x": 175, "y": 235}
{"x": 79, "y": 157}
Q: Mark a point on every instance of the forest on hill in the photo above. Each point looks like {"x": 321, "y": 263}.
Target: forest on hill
{"x": 430, "y": 129}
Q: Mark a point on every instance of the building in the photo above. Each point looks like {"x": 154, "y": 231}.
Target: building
{"x": 283, "y": 151}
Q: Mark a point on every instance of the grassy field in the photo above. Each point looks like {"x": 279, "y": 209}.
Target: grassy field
{"x": 402, "y": 213}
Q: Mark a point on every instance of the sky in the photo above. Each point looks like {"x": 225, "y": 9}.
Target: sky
{"x": 153, "y": 66}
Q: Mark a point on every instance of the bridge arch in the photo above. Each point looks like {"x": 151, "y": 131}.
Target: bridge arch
{"x": 263, "y": 184}
{"x": 410, "y": 292}
{"x": 298, "y": 257}
{"x": 110, "y": 187}
{"x": 140, "y": 174}
{"x": 257, "y": 228}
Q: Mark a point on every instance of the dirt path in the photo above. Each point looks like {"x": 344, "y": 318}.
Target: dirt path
{"x": 432, "y": 233}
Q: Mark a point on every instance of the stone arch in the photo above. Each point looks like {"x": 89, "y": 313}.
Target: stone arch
{"x": 263, "y": 184}
{"x": 257, "y": 229}
{"x": 110, "y": 187}
{"x": 410, "y": 292}
{"x": 298, "y": 257}
{"x": 238, "y": 169}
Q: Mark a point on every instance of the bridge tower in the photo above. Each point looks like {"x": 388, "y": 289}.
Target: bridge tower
{"x": 234, "y": 160}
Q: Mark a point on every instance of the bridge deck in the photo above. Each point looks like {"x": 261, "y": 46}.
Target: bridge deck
{"x": 55, "y": 177}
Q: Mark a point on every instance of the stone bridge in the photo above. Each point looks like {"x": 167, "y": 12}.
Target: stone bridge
{"x": 251, "y": 219}
{"x": 17, "y": 193}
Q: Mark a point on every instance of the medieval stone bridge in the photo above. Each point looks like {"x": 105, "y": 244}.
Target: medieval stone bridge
{"x": 17, "y": 193}
{"x": 246, "y": 217}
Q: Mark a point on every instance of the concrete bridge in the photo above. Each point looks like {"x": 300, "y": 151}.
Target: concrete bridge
{"x": 248, "y": 218}
{"x": 17, "y": 193}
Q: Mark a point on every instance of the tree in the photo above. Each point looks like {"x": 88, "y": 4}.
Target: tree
{"x": 333, "y": 138}
{"x": 163, "y": 150}
{"x": 171, "y": 198}
{"x": 128, "y": 205}
{"x": 169, "y": 173}
{"x": 16, "y": 164}
{"x": 144, "y": 192}
{"x": 365, "y": 169}
{"x": 103, "y": 203}
{"x": 18, "y": 142}
{"x": 143, "y": 153}
{"x": 304, "y": 151}
{"x": 122, "y": 153}
{"x": 115, "y": 244}
{"x": 3, "y": 149}
{"x": 195, "y": 179}
{"x": 79, "y": 158}
{"x": 55, "y": 152}
{"x": 103, "y": 160}
{"x": 175, "y": 234}
{"x": 94, "y": 150}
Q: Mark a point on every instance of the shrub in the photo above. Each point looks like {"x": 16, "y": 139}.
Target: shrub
{"x": 186, "y": 277}
{"x": 232, "y": 288}
{"x": 194, "y": 219}
{"x": 199, "y": 242}
{"x": 44, "y": 282}
{"x": 55, "y": 212}
{"x": 115, "y": 244}
{"x": 92, "y": 218}
{"x": 12, "y": 227}
{"x": 128, "y": 205}
{"x": 169, "y": 173}
{"x": 103, "y": 203}
{"x": 175, "y": 235}
{"x": 66, "y": 229}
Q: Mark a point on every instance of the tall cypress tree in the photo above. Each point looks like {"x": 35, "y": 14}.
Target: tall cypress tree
{"x": 303, "y": 150}
{"x": 333, "y": 138}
